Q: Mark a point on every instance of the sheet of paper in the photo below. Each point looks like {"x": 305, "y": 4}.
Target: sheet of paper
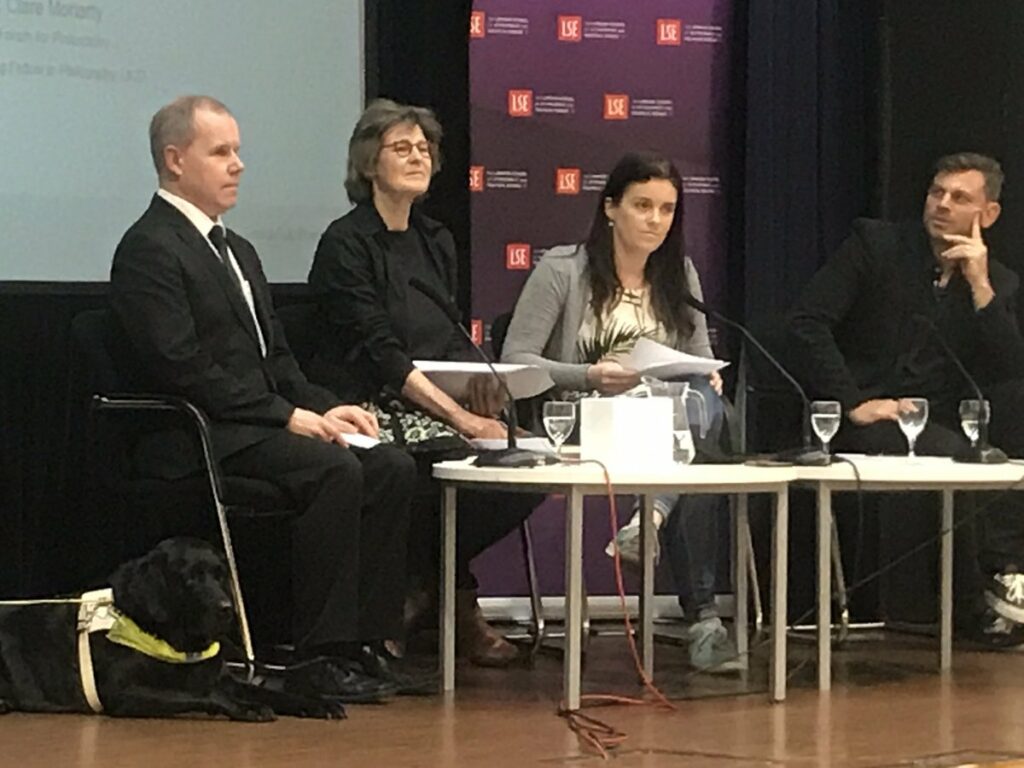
{"x": 523, "y": 380}
{"x": 361, "y": 441}
{"x": 653, "y": 359}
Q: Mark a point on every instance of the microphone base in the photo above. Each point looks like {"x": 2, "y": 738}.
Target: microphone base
{"x": 981, "y": 454}
{"x": 514, "y": 457}
{"x": 804, "y": 457}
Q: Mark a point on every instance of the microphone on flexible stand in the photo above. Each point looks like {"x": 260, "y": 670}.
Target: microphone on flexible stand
{"x": 511, "y": 455}
{"x": 807, "y": 455}
{"x": 981, "y": 452}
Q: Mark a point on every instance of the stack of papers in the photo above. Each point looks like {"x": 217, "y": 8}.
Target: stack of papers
{"x": 653, "y": 359}
{"x": 522, "y": 380}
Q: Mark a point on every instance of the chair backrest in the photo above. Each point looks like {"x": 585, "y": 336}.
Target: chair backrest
{"x": 303, "y": 324}
{"x": 103, "y": 352}
{"x": 499, "y": 330}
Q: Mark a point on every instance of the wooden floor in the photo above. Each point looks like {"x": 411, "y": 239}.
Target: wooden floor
{"x": 889, "y": 708}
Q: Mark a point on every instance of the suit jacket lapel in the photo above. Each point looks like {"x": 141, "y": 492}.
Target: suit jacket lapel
{"x": 217, "y": 270}
{"x": 246, "y": 258}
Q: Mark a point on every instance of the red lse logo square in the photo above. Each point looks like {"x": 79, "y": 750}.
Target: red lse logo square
{"x": 517, "y": 256}
{"x": 670, "y": 32}
{"x": 477, "y": 24}
{"x": 616, "y": 106}
{"x": 520, "y": 103}
{"x": 567, "y": 181}
{"x": 570, "y": 29}
{"x": 476, "y": 178}
{"x": 476, "y": 330}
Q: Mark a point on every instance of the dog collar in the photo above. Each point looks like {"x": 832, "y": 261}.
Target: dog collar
{"x": 129, "y": 634}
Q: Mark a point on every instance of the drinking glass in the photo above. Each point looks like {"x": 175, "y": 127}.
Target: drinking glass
{"x": 559, "y": 419}
{"x": 913, "y": 417}
{"x": 825, "y": 418}
{"x": 971, "y": 414}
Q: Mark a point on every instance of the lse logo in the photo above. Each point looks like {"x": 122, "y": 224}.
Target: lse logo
{"x": 517, "y": 256}
{"x": 476, "y": 178}
{"x": 477, "y": 21}
{"x": 567, "y": 181}
{"x": 520, "y": 103}
{"x": 570, "y": 29}
{"x": 616, "y": 106}
{"x": 670, "y": 32}
{"x": 476, "y": 330}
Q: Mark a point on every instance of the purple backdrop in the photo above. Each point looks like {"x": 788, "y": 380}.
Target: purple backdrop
{"x": 558, "y": 91}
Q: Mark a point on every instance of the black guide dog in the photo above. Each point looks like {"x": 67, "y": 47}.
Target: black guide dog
{"x": 178, "y": 600}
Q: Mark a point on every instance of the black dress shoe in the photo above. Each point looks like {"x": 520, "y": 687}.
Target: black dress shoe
{"x": 377, "y": 662}
{"x": 338, "y": 679}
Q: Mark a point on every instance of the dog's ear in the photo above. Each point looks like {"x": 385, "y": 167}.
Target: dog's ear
{"x": 141, "y": 590}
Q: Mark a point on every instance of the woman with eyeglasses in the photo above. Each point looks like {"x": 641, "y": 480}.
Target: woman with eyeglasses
{"x": 376, "y": 324}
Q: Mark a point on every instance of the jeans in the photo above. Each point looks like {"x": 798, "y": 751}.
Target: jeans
{"x": 689, "y": 536}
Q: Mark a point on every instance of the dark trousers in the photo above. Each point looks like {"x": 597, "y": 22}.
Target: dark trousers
{"x": 483, "y": 519}
{"x": 349, "y": 542}
{"x": 994, "y": 541}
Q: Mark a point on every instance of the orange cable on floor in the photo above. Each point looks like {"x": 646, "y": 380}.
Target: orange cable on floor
{"x": 601, "y": 736}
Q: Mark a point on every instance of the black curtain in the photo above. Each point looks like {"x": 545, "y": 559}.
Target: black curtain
{"x": 418, "y": 53}
{"x": 810, "y": 152}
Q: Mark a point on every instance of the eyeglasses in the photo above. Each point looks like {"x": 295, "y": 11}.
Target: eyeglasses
{"x": 404, "y": 147}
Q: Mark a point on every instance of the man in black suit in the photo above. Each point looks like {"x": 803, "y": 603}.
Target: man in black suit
{"x": 195, "y": 304}
{"x": 864, "y": 333}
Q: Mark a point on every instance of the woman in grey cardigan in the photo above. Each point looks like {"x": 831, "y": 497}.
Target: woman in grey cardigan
{"x": 584, "y": 307}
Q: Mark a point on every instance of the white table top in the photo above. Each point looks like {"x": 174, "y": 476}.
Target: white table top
{"x": 698, "y": 477}
{"x": 920, "y": 473}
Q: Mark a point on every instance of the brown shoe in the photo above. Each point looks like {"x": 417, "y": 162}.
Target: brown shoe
{"x": 475, "y": 639}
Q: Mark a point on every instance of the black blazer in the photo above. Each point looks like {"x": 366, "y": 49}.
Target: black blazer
{"x": 854, "y": 324}
{"x": 358, "y": 283}
{"x": 193, "y": 332}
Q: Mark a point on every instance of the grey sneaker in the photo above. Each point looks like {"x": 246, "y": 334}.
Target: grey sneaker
{"x": 628, "y": 539}
{"x": 711, "y": 650}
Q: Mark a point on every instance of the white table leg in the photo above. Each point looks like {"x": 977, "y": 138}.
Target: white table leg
{"x": 741, "y": 577}
{"x": 447, "y": 623}
{"x": 946, "y": 580}
{"x": 824, "y": 588}
{"x": 648, "y": 541}
{"x": 573, "y": 597}
{"x": 780, "y": 551}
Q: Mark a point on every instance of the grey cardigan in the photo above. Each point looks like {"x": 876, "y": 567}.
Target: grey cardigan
{"x": 549, "y": 313}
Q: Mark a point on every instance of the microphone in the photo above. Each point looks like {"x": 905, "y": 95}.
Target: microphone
{"x": 807, "y": 455}
{"x": 511, "y": 455}
{"x": 982, "y": 452}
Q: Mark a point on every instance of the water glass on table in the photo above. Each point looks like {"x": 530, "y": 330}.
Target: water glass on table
{"x": 971, "y": 414}
{"x": 826, "y": 416}
{"x": 559, "y": 419}
{"x": 913, "y": 417}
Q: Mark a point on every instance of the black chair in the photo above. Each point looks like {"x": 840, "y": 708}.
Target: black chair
{"x": 99, "y": 344}
{"x": 526, "y": 415}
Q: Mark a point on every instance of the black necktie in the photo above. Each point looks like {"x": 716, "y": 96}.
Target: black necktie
{"x": 220, "y": 242}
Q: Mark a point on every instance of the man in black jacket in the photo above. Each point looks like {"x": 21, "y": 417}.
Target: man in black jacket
{"x": 864, "y": 333}
{"x": 195, "y": 304}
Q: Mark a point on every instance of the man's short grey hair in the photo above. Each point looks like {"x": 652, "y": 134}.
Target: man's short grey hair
{"x": 364, "y": 146}
{"x": 972, "y": 161}
{"x": 174, "y": 124}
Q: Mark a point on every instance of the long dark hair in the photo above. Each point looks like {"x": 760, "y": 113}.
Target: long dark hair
{"x": 665, "y": 271}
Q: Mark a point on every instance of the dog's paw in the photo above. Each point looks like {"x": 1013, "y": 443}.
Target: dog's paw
{"x": 322, "y": 709}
